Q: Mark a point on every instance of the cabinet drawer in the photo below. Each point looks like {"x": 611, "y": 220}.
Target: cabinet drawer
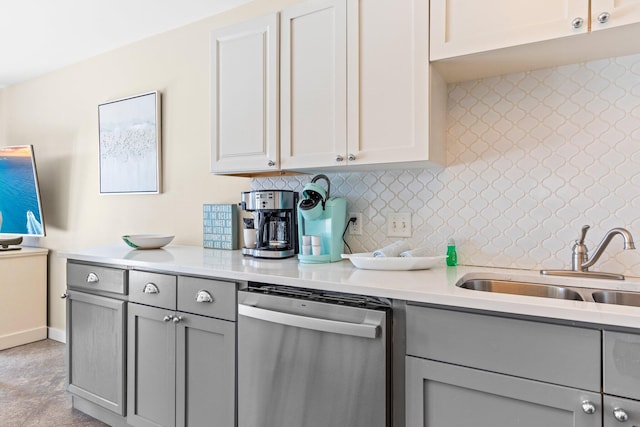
{"x": 217, "y": 298}
{"x": 551, "y": 353}
{"x": 96, "y": 278}
{"x": 158, "y": 290}
{"x": 621, "y": 353}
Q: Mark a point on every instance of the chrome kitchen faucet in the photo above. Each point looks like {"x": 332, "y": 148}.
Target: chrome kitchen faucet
{"x": 580, "y": 261}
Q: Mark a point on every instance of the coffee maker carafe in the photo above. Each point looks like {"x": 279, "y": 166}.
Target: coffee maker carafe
{"x": 321, "y": 223}
{"x": 275, "y": 223}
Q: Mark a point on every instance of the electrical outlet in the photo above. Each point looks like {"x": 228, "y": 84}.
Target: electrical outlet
{"x": 355, "y": 228}
{"x": 399, "y": 224}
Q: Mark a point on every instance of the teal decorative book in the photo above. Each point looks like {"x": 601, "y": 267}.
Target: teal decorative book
{"x": 220, "y": 226}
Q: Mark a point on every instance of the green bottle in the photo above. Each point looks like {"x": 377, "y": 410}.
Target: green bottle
{"x": 452, "y": 256}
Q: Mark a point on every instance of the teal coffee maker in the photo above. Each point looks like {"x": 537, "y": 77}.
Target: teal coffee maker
{"x": 321, "y": 223}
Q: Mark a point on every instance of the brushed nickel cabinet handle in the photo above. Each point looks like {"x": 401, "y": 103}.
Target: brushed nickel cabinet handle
{"x": 588, "y": 407}
{"x": 603, "y": 18}
{"x": 150, "y": 288}
{"x": 620, "y": 415}
{"x": 203, "y": 296}
{"x": 92, "y": 278}
{"x": 577, "y": 22}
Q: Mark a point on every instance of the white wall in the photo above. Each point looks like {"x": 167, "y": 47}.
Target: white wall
{"x": 531, "y": 157}
{"x": 57, "y": 113}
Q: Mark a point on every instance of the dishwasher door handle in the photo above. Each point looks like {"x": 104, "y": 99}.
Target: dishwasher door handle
{"x": 364, "y": 330}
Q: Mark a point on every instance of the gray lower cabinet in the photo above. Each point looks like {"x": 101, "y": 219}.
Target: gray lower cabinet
{"x": 96, "y": 340}
{"x": 444, "y": 395}
{"x": 473, "y": 369}
{"x": 181, "y": 365}
{"x": 96, "y": 349}
{"x": 621, "y": 379}
{"x": 151, "y": 367}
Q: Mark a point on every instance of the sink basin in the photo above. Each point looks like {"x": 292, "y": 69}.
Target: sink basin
{"x": 617, "y": 297}
{"x": 522, "y": 288}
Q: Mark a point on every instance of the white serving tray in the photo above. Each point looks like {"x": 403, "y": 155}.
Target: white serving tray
{"x": 367, "y": 261}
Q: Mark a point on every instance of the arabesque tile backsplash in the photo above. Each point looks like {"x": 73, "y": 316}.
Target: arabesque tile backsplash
{"x": 531, "y": 157}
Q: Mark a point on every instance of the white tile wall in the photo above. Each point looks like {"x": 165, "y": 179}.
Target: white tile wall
{"x": 531, "y": 157}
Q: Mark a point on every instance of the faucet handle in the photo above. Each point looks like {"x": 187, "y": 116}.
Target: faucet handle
{"x": 583, "y": 234}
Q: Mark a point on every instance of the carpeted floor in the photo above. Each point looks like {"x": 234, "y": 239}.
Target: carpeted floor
{"x": 32, "y": 388}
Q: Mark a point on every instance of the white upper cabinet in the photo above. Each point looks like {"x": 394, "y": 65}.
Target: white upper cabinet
{"x": 244, "y": 97}
{"x": 473, "y": 39}
{"x": 314, "y": 79}
{"x": 461, "y": 27}
{"x": 614, "y": 13}
{"x": 354, "y": 89}
{"x": 372, "y": 110}
{"x": 402, "y": 99}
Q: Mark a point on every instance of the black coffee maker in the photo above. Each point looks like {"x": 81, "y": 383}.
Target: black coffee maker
{"x": 276, "y": 227}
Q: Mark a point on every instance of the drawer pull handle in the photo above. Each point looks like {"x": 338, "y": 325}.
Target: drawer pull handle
{"x": 620, "y": 415}
{"x": 204, "y": 296}
{"x": 167, "y": 318}
{"x": 92, "y": 278}
{"x": 588, "y": 407}
{"x": 150, "y": 288}
{"x": 177, "y": 319}
{"x": 64, "y": 296}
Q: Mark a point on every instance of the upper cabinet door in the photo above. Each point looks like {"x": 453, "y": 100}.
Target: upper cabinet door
{"x": 314, "y": 84}
{"x": 397, "y": 86}
{"x": 461, "y": 27}
{"x": 614, "y": 13}
{"x": 244, "y": 96}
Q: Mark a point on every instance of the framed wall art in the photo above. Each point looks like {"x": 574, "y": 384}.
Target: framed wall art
{"x": 130, "y": 149}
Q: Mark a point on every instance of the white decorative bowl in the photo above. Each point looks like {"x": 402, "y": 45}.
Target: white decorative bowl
{"x": 147, "y": 241}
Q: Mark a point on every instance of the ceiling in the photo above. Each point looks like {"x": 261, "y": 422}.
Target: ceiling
{"x": 39, "y": 36}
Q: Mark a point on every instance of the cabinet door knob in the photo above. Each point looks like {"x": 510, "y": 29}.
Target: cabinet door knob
{"x": 588, "y": 407}
{"x": 603, "y": 18}
{"x": 577, "y": 22}
{"x": 620, "y": 414}
{"x": 351, "y": 157}
{"x": 150, "y": 288}
{"x": 167, "y": 318}
{"x": 204, "y": 296}
{"x": 271, "y": 163}
{"x": 339, "y": 158}
{"x": 64, "y": 296}
{"x": 92, "y": 278}
{"x": 177, "y": 319}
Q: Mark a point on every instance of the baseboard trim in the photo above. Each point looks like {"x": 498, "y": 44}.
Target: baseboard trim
{"x": 23, "y": 337}
{"x": 58, "y": 335}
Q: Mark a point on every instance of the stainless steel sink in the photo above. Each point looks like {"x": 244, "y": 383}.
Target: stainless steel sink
{"x": 617, "y": 297}
{"x": 522, "y": 288}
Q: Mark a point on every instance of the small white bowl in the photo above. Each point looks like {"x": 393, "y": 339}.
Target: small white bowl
{"x": 147, "y": 241}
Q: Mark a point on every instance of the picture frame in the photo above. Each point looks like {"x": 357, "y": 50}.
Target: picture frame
{"x": 130, "y": 148}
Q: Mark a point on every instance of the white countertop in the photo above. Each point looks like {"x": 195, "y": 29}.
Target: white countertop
{"x": 436, "y": 285}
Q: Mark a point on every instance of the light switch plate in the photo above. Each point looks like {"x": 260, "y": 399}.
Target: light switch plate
{"x": 399, "y": 224}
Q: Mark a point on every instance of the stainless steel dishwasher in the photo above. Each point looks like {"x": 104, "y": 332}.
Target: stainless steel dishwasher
{"x": 312, "y": 359}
